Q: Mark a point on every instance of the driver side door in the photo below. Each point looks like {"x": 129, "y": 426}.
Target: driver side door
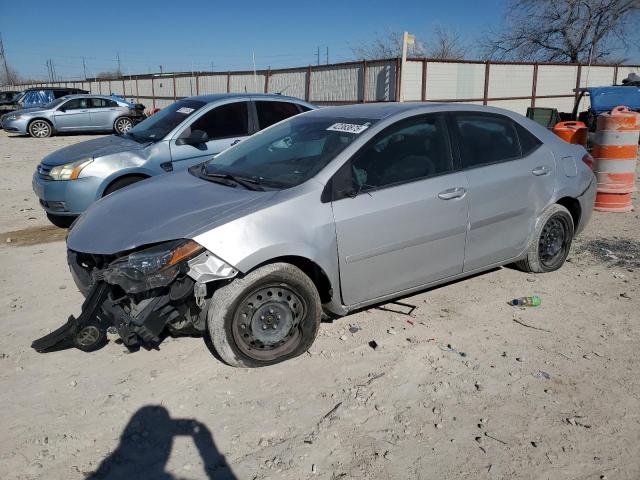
{"x": 225, "y": 125}
{"x": 72, "y": 115}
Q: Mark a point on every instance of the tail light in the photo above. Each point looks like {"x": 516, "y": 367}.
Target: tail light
{"x": 588, "y": 160}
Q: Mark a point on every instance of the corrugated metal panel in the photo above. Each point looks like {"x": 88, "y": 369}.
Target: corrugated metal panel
{"x": 144, "y": 87}
{"x": 336, "y": 84}
{"x": 518, "y": 106}
{"x": 510, "y": 80}
{"x": 596, "y": 76}
{"x": 556, "y": 80}
{"x": 455, "y": 80}
{"x": 163, "y": 86}
{"x": 185, "y": 86}
{"x": 289, "y": 83}
{"x": 381, "y": 82}
{"x": 247, "y": 83}
{"x": 212, "y": 84}
{"x": 412, "y": 81}
{"x": 562, "y": 104}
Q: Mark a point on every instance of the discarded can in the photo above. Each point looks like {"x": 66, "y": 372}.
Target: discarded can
{"x": 533, "y": 301}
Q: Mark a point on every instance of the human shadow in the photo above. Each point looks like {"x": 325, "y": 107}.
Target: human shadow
{"x": 146, "y": 443}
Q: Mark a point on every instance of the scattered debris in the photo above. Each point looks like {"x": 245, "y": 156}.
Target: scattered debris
{"x": 541, "y": 374}
{"x": 486, "y": 434}
{"x": 520, "y": 322}
{"x": 403, "y": 306}
{"x": 449, "y": 348}
{"x": 354, "y": 328}
{"x": 373, "y": 344}
{"x": 391, "y": 331}
{"x": 532, "y": 301}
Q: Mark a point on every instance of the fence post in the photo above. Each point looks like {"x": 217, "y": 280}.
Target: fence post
{"x": 153, "y": 94}
{"x": 137, "y": 92}
{"x": 398, "y": 80}
{"x": 197, "y": 83}
{"x": 174, "y": 87}
{"x": 266, "y": 80}
{"x": 364, "y": 81}
{"x": 486, "y": 83}
{"x": 424, "y": 79}
{"x": 615, "y": 74}
{"x": 579, "y": 73}
{"x": 534, "y": 85}
{"x": 228, "y": 82}
{"x": 307, "y": 92}
{"x": 124, "y": 87}
{"x": 110, "y": 91}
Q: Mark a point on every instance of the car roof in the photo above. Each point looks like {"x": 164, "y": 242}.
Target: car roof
{"x": 54, "y": 88}
{"x": 376, "y": 111}
{"x": 93, "y": 95}
{"x": 221, "y": 96}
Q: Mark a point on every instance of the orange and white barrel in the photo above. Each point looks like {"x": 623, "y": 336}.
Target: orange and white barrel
{"x": 572, "y": 132}
{"x": 615, "y": 152}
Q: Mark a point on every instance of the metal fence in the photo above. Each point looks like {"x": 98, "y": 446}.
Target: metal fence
{"x": 511, "y": 85}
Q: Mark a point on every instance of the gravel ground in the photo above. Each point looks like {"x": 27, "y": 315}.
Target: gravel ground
{"x": 466, "y": 387}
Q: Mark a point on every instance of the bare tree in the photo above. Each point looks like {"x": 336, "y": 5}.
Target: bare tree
{"x": 10, "y": 76}
{"x": 445, "y": 44}
{"x": 108, "y": 75}
{"x": 564, "y": 30}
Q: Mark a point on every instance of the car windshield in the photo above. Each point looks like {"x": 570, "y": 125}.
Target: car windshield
{"x": 157, "y": 126}
{"x": 289, "y": 153}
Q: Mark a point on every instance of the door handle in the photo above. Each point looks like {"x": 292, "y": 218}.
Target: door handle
{"x": 452, "y": 193}
{"x": 541, "y": 170}
{"x": 235, "y": 142}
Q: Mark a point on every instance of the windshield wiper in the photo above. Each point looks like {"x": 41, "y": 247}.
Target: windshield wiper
{"x": 247, "y": 183}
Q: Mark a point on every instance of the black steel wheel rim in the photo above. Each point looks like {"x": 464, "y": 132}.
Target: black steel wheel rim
{"x": 554, "y": 242}
{"x": 88, "y": 336}
{"x": 267, "y": 322}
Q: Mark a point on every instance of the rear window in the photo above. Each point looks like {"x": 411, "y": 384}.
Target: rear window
{"x": 486, "y": 139}
{"x": 270, "y": 113}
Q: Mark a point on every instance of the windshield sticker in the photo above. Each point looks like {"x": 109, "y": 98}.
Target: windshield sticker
{"x": 185, "y": 110}
{"x": 348, "y": 127}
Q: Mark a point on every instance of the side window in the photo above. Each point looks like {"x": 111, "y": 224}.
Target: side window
{"x": 76, "y": 104}
{"x": 97, "y": 103}
{"x": 230, "y": 120}
{"x": 411, "y": 149}
{"x": 273, "y": 112}
{"x": 486, "y": 139}
{"x": 528, "y": 141}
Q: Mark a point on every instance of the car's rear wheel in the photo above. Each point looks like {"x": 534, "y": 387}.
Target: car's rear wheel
{"x": 122, "y": 125}
{"x": 62, "y": 221}
{"x": 270, "y": 315}
{"x": 40, "y": 129}
{"x": 551, "y": 241}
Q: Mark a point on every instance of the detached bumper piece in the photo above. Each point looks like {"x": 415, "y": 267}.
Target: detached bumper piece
{"x": 87, "y": 332}
{"x": 141, "y": 324}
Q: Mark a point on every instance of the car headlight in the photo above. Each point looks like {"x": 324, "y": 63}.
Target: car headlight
{"x": 69, "y": 171}
{"x": 152, "y": 267}
{"x": 13, "y": 117}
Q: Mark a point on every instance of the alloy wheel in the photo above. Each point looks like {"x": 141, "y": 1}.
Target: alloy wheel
{"x": 40, "y": 129}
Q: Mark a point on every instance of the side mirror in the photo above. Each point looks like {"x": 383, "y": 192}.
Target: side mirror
{"x": 196, "y": 137}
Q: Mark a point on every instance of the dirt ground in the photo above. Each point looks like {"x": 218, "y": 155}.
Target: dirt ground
{"x": 466, "y": 387}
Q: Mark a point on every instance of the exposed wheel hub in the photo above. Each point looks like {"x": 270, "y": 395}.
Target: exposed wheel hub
{"x": 552, "y": 241}
{"x": 88, "y": 335}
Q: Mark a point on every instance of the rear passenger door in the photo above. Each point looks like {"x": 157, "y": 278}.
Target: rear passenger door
{"x": 103, "y": 112}
{"x": 510, "y": 174}
{"x": 402, "y": 221}
{"x": 270, "y": 112}
{"x": 225, "y": 125}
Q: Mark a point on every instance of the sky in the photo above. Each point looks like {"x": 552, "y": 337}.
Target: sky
{"x": 218, "y": 35}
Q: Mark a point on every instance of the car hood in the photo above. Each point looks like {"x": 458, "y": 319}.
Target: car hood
{"x": 162, "y": 208}
{"x": 98, "y": 147}
{"x": 29, "y": 111}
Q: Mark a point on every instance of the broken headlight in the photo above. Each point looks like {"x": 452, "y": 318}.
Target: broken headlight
{"x": 152, "y": 267}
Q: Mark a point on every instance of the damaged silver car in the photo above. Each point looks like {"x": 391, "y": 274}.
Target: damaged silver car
{"x": 326, "y": 212}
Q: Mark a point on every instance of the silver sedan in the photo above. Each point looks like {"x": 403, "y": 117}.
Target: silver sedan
{"x": 332, "y": 210}
{"x": 74, "y": 113}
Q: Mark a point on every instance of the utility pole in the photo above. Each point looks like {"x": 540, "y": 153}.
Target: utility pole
{"x": 327, "y": 55}
{"x": 10, "y": 79}
{"x": 318, "y": 56}
{"x": 119, "y": 66}
{"x": 160, "y": 69}
{"x": 84, "y": 68}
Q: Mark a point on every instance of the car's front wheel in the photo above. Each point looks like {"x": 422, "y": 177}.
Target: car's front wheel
{"x": 40, "y": 129}
{"x": 122, "y": 125}
{"x": 551, "y": 241}
{"x": 270, "y": 315}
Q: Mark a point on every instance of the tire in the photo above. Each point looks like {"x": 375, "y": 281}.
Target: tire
{"x": 121, "y": 183}
{"x": 40, "y": 129}
{"x": 551, "y": 241}
{"x": 282, "y": 298}
{"x": 90, "y": 338}
{"x": 122, "y": 125}
{"x": 62, "y": 221}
